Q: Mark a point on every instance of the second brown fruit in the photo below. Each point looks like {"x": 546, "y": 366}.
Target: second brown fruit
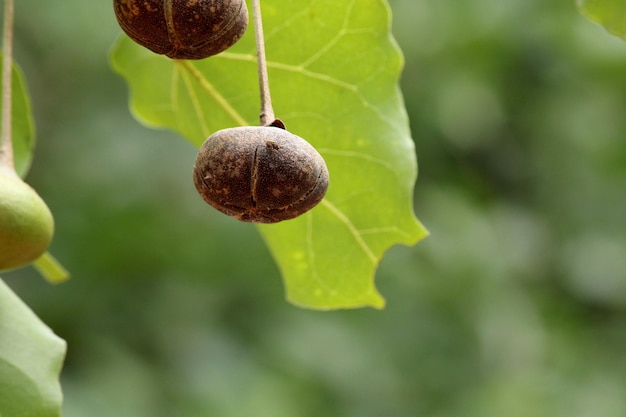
{"x": 183, "y": 29}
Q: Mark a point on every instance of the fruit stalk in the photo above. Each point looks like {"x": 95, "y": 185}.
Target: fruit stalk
{"x": 6, "y": 144}
{"x": 267, "y": 112}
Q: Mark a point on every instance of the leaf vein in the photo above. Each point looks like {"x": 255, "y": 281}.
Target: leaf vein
{"x": 297, "y": 69}
{"x": 174, "y": 89}
{"x": 311, "y": 256}
{"x": 212, "y": 91}
{"x": 383, "y": 230}
{"x": 195, "y": 102}
{"x": 352, "y": 229}
{"x": 340, "y": 34}
{"x": 359, "y": 155}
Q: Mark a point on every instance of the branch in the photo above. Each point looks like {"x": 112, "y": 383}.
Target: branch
{"x": 6, "y": 143}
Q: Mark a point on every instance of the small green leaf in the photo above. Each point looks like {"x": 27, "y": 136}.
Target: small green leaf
{"x": 334, "y": 71}
{"x": 611, "y": 14}
{"x": 31, "y": 356}
{"x": 23, "y": 127}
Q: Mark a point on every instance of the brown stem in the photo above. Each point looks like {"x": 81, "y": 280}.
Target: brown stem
{"x": 267, "y": 112}
{"x": 6, "y": 143}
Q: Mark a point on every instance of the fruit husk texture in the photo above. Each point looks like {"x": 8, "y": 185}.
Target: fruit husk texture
{"x": 260, "y": 174}
{"x": 183, "y": 29}
{"x": 26, "y": 224}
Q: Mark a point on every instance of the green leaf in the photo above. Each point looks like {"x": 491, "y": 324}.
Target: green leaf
{"x": 23, "y": 127}
{"x": 611, "y": 14}
{"x": 334, "y": 71}
{"x": 31, "y": 357}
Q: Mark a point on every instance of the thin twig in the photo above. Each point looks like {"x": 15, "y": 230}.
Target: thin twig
{"x": 6, "y": 144}
{"x": 267, "y": 112}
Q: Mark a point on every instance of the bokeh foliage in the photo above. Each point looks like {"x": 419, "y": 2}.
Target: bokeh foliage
{"x": 608, "y": 13}
{"x": 515, "y": 306}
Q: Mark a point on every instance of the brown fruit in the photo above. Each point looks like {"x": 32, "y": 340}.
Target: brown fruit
{"x": 183, "y": 29}
{"x": 260, "y": 174}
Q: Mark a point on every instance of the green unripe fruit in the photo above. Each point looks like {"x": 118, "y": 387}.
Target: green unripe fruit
{"x": 26, "y": 224}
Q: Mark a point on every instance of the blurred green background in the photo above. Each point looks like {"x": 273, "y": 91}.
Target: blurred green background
{"x": 514, "y": 306}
